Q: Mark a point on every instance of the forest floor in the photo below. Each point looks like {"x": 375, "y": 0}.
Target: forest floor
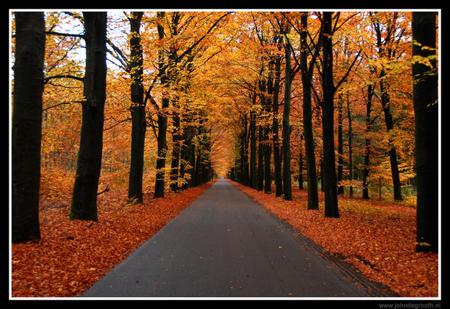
{"x": 73, "y": 255}
{"x": 377, "y": 237}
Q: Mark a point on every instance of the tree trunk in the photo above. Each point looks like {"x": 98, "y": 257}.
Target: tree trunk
{"x": 253, "y": 175}
{"x": 276, "y": 140}
{"x": 176, "y": 146}
{"x": 313, "y": 200}
{"x": 267, "y": 147}
{"x": 187, "y": 150}
{"x": 287, "y": 186}
{"x": 84, "y": 201}
{"x": 322, "y": 189}
{"x": 426, "y": 134}
{"x": 138, "y": 124}
{"x": 385, "y": 101}
{"x": 329, "y": 165}
{"x": 162, "y": 149}
{"x": 366, "y": 170}
{"x": 350, "y": 150}
{"x": 27, "y": 124}
{"x": 173, "y": 74}
{"x": 340, "y": 172}
{"x": 186, "y": 141}
{"x": 162, "y": 120}
{"x": 197, "y": 166}
{"x": 300, "y": 164}
{"x": 244, "y": 171}
{"x": 260, "y": 175}
{"x": 206, "y": 159}
{"x": 382, "y": 43}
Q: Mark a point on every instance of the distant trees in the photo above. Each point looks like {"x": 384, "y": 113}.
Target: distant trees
{"x": 353, "y": 58}
{"x": 26, "y": 124}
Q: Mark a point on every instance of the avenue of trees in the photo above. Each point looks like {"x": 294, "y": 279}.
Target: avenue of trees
{"x": 342, "y": 102}
{"x": 335, "y": 64}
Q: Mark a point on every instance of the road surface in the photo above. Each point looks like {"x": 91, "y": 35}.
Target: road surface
{"x": 226, "y": 245}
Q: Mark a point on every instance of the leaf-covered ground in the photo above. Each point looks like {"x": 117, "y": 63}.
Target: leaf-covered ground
{"x": 73, "y": 255}
{"x": 375, "y": 236}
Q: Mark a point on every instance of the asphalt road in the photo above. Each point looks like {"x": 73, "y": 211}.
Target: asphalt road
{"x": 226, "y": 245}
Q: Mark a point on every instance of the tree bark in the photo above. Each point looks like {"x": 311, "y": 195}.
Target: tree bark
{"x": 313, "y": 200}
{"x": 322, "y": 187}
{"x": 385, "y": 101}
{"x": 176, "y": 146}
{"x": 84, "y": 201}
{"x": 276, "y": 140}
{"x": 267, "y": 147}
{"x": 27, "y": 124}
{"x": 187, "y": 153}
{"x": 340, "y": 172}
{"x": 350, "y": 149}
{"x": 187, "y": 146}
{"x": 138, "y": 124}
{"x": 162, "y": 119}
{"x": 173, "y": 74}
{"x": 386, "y": 105}
{"x": 244, "y": 167}
{"x": 300, "y": 164}
{"x": 260, "y": 183}
{"x": 329, "y": 165}
{"x": 287, "y": 185}
{"x": 425, "y": 95}
{"x": 366, "y": 170}
{"x": 253, "y": 174}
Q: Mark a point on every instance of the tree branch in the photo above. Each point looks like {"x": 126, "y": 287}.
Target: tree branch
{"x": 201, "y": 38}
{"x": 348, "y": 71}
{"x": 59, "y": 104}
{"x": 78, "y": 78}
{"x": 74, "y": 35}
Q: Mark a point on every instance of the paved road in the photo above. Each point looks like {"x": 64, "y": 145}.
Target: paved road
{"x": 227, "y": 245}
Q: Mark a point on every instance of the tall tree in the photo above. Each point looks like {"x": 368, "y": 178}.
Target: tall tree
{"x": 328, "y": 88}
{"x": 426, "y": 130}
{"x": 350, "y": 144}
{"x": 26, "y": 124}
{"x": 366, "y": 169}
{"x": 253, "y": 171}
{"x": 84, "y": 201}
{"x": 268, "y": 87}
{"x": 162, "y": 115}
{"x": 287, "y": 182}
{"x": 306, "y": 74}
{"x": 261, "y": 131}
{"x": 340, "y": 169}
{"x": 275, "y": 125}
{"x": 138, "y": 123}
{"x": 244, "y": 167}
{"x": 385, "y": 51}
{"x": 173, "y": 73}
{"x": 300, "y": 163}
{"x": 187, "y": 144}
